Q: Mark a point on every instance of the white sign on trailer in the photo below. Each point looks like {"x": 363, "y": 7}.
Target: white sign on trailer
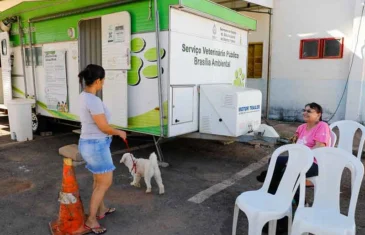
{"x": 202, "y": 51}
{"x": 56, "y": 80}
{"x": 210, "y": 52}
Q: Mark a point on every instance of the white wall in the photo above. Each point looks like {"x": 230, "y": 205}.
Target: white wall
{"x": 355, "y": 106}
{"x": 296, "y": 82}
{"x": 260, "y": 35}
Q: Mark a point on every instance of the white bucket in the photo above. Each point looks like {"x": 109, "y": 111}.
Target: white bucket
{"x": 20, "y": 119}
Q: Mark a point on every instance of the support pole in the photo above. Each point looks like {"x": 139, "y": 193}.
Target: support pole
{"x": 33, "y": 65}
{"x": 161, "y": 162}
{"x": 159, "y": 78}
{"x": 21, "y": 38}
{"x": 269, "y": 68}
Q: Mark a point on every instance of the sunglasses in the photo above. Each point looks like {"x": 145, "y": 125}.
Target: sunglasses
{"x": 307, "y": 111}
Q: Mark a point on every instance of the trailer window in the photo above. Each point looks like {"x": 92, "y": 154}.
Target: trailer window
{"x": 4, "y": 48}
{"x": 37, "y": 56}
{"x": 27, "y": 56}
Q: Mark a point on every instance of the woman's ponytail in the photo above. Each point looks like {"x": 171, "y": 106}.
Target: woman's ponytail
{"x": 91, "y": 73}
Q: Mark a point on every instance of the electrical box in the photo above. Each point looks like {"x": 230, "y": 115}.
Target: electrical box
{"x": 228, "y": 110}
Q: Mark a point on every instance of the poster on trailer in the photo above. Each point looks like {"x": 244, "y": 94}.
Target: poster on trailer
{"x": 56, "y": 80}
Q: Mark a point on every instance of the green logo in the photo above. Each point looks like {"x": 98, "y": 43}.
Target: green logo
{"x": 239, "y": 80}
{"x": 138, "y": 45}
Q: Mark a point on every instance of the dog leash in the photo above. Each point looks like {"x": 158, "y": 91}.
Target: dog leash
{"x": 129, "y": 151}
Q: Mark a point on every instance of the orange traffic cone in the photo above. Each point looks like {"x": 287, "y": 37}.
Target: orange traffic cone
{"x": 71, "y": 217}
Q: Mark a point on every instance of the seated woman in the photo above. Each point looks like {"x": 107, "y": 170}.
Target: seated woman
{"x": 314, "y": 133}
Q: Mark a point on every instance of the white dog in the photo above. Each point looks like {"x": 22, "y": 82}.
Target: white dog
{"x": 146, "y": 168}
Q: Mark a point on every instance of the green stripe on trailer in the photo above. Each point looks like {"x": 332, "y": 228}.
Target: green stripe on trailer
{"x": 55, "y": 30}
{"x": 221, "y": 12}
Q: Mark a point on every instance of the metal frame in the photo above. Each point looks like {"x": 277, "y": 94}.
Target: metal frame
{"x": 21, "y": 37}
{"x": 33, "y": 65}
{"x": 160, "y": 88}
{"x": 67, "y": 87}
{"x": 159, "y": 78}
{"x": 269, "y": 67}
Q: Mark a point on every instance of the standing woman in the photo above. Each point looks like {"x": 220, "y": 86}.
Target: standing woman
{"x": 94, "y": 143}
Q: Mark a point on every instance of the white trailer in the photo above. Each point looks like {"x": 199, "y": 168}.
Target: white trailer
{"x": 179, "y": 72}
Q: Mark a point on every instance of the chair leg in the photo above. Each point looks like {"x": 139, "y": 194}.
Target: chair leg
{"x": 353, "y": 175}
{"x": 272, "y": 227}
{"x": 297, "y": 230}
{"x": 254, "y": 227}
{"x": 235, "y": 218}
{"x": 290, "y": 220}
{"x": 315, "y": 187}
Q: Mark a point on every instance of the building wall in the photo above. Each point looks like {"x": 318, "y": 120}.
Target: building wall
{"x": 355, "y": 106}
{"x": 260, "y": 35}
{"x": 295, "y": 82}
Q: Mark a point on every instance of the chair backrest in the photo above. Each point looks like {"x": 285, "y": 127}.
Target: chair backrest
{"x": 333, "y": 139}
{"x": 331, "y": 164}
{"x": 299, "y": 161}
{"x": 347, "y": 130}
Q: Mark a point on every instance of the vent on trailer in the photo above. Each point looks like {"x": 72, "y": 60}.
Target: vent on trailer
{"x": 228, "y": 110}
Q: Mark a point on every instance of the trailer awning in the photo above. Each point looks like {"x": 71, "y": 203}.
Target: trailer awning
{"x": 240, "y": 5}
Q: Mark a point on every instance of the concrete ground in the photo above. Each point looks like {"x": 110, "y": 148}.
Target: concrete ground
{"x": 31, "y": 172}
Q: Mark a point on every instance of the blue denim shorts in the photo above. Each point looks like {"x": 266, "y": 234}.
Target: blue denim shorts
{"x": 97, "y": 155}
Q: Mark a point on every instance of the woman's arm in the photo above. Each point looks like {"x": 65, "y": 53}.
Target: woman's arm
{"x": 322, "y": 136}
{"x": 103, "y": 125}
{"x": 319, "y": 145}
{"x": 294, "y": 138}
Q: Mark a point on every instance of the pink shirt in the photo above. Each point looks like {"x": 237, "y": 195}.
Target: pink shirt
{"x": 320, "y": 133}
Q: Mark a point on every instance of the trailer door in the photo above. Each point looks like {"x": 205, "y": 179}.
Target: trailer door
{"x": 116, "y": 40}
{"x": 6, "y": 67}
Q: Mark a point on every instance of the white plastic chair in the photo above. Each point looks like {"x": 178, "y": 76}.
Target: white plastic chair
{"x": 262, "y": 207}
{"x": 347, "y": 130}
{"x": 313, "y": 179}
{"x": 333, "y": 139}
{"x": 324, "y": 216}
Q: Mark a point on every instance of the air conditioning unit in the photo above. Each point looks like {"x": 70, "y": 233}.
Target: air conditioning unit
{"x": 228, "y": 110}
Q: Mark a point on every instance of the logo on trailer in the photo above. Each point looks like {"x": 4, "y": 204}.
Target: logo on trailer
{"x": 248, "y": 109}
{"x": 214, "y": 36}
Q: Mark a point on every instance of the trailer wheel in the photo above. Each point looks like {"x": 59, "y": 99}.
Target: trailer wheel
{"x": 35, "y": 123}
{"x": 39, "y": 123}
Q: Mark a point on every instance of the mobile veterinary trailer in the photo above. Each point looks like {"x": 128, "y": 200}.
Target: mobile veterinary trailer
{"x": 199, "y": 46}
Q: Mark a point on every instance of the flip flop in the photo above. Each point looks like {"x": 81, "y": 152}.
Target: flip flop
{"x": 93, "y": 230}
{"x": 110, "y": 211}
